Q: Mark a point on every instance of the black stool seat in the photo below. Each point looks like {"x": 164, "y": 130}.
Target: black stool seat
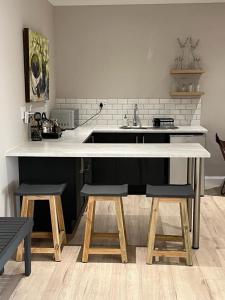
{"x": 104, "y": 190}
{"x": 170, "y": 191}
{"x": 40, "y": 189}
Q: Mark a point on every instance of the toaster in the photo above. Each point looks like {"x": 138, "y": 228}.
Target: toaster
{"x": 66, "y": 118}
{"x": 163, "y": 122}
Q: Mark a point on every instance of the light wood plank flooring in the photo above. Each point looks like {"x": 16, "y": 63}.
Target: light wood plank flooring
{"x": 106, "y": 278}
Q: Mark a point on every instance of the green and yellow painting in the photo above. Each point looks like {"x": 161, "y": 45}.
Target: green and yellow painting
{"x": 36, "y": 62}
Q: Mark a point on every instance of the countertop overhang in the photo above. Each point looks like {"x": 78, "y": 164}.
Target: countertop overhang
{"x": 72, "y": 145}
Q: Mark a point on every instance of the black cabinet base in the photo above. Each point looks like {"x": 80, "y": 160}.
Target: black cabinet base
{"x": 44, "y": 170}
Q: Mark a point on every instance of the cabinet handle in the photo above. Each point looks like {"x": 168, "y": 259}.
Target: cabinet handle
{"x": 82, "y": 166}
{"x": 84, "y": 170}
{"x": 92, "y": 139}
{"x": 143, "y": 139}
{"x": 136, "y": 139}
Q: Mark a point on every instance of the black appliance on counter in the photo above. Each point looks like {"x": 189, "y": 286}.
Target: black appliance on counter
{"x": 164, "y": 123}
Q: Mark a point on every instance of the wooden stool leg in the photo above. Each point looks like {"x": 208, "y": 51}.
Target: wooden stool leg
{"x": 152, "y": 229}
{"x": 93, "y": 218}
{"x": 88, "y": 228}
{"x": 30, "y": 213}
{"x": 125, "y": 231}
{"x": 182, "y": 222}
{"x": 189, "y": 208}
{"x": 24, "y": 213}
{"x": 61, "y": 217}
{"x": 185, "y": 226}
{"x": 55, "y": 228}
{"x": 120, "y": 222}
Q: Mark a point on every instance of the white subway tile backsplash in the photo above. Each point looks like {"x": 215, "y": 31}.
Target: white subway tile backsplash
{"x": 143, "y": 101}
{"x": 170, "y": 106}
{"x": 165, "y": 101}
{"x": 184, "y": 111}
{"x": 110, "y": 101}
{"x": 91, "y": 101}
{"x": 133, "y": 101}
{"x": 157, "y": 106}
{"x": 154, "y": 101}
{"x": 122, "y": 101}
{"x": 60, "y": 101}
{"x": 127, "y": 106}
{"x": 86, "y": 106}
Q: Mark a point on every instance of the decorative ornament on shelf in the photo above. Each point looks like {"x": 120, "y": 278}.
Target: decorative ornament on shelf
{"x": 195, "y": 59}
{"x": 188, "y": 59}
{"x": 187, "y": 70}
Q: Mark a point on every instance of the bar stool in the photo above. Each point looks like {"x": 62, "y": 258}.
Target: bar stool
{"x": 112, "y": 193}
{"x": 169, "y": 194}
{"x": 51, "y": 193}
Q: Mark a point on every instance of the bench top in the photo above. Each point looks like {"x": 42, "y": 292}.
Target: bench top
{"x": 12, "y": 229}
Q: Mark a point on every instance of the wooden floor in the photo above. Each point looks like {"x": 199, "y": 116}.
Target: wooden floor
{"x": 106, "y": 278}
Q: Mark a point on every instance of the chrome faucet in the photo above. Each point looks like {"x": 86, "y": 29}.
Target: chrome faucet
{"x": 136, "y": 118}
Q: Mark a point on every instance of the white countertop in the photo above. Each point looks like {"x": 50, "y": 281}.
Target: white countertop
{"x": 80, "y": 134}
{"x": 71, "y": 145}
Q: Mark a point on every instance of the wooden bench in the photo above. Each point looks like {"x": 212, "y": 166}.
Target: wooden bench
{"x": 12, "y": 232}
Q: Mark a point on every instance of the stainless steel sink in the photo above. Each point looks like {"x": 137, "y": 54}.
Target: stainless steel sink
{"x": 163, "y": 128}
{"x": 148, "y": 127}
{"x": 134, "y": 127}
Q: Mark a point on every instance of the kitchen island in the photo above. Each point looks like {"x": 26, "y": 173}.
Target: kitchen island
{"x": 60, "y": 160}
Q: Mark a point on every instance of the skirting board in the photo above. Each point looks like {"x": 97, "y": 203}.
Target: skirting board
{"x": 213, "y": 181}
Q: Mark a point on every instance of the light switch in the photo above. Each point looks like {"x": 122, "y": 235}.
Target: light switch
{"x": 22, "y": 112}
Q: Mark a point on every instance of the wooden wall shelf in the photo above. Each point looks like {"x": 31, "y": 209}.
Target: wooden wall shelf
{"x": 187, "y": 94}
{"x": 187, "y": 72}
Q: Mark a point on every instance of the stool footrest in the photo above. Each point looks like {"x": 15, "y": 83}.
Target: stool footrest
{"x": 170, "y": 253}
{"x": 42, "y": 250}
{"x": 169, "y": 238}
{"x": 41, "y": 235}
{"x": 105, "y": 235}
{"x": 115, "y": 251}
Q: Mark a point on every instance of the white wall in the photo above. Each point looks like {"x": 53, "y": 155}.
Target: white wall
{"x": 127, "y": 52}
{"x": 14, "y": 16}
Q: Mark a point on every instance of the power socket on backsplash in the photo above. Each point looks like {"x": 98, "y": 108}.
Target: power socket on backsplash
{"x": 103, "y": 101}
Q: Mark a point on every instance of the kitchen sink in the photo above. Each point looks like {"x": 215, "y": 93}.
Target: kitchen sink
{"x": 164, "y": 128}
{"x": 134, "y": 127}
{"x": 148, "y": 127}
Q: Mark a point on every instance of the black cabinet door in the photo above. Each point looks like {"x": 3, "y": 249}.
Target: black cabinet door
{"x": 137, "y": 172}
{"x": 115, "y": 138}
{"x": 116, "y": 170}
{"x": 155, "y": 138}
{"x": 155, "y": 170}
{"x": 50, "y": 170}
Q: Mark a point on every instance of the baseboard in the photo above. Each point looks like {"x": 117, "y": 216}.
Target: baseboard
{"x": 213, "y": 181}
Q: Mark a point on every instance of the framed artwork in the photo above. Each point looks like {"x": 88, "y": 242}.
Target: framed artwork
{"x": 36, "y": 66}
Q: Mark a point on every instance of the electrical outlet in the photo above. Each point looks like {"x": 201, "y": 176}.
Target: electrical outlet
{"x": 103, "y": 101}
{"x": 27, "y": 115}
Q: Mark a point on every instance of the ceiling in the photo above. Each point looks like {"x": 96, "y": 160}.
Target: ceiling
{"x": 122, "y": 2}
